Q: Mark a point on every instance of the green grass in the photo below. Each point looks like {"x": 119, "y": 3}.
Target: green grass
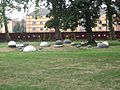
{"x": 83, "y": 69}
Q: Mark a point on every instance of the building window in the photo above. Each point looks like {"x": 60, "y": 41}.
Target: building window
{"x": 41, "y": 22}
{"x": 41, "y": 29}
{"x": 99, "y": 28}
{"x": 100, "y": 22}
{"x": 33, "y": 22}
{"x": 33, "y": 28}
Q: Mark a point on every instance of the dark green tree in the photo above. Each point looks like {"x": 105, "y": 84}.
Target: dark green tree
{"x": 113, "y": 8}
{"x": 83, "y": 13}
{"x": 9, "y": 6}
{"x": 1, "y": 21}
{"x": 56, "y": 8}
{"x": 17, "y": 28}
{"x": 57, "y": 11}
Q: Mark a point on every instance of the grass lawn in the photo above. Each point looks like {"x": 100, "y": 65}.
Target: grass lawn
{"x": 81, "y": 69}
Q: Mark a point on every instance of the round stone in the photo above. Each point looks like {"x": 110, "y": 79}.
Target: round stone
{"x": 89, "y": 46}
{"x": 20, "y": 45}
{"x": 105, "y": 42}
{"x": 12, "y": 44}
{"x": 98, "y": 44}
{"x": 67, "y": 41}
{"x": 59, "y": 42}
{"x": 82, "y": 43}
{"x": 78, "y": 45}
{"x": 73, "y": 44}
{"x": 58, "y": 46}
{"x": 102, "y": 45}
{"x": 44, "y": 44}
{"x": 29, "y": 48}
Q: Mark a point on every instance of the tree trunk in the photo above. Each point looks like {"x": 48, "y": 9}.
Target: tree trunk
{"x": 112, "y": 32}
{"x": 5, "y": 24}
{"x": 8, "y": 38}
{"x": 89, "y": 29}
{"x": 110, "y": 24}
{"x": 57, "y": 34}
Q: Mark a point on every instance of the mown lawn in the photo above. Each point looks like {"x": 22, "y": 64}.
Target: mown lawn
{"x": 83, "y": 69}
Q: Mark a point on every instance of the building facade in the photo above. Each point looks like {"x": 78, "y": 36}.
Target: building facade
{"x": 11, "y": 25}
{"x": 37, "y": 24}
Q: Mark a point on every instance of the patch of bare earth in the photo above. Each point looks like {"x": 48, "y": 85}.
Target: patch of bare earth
{"x": 64, "y": 48}
{"x": 7, "y": 49}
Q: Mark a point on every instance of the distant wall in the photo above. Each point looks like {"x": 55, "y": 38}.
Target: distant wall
{"x": 51, "y": 36}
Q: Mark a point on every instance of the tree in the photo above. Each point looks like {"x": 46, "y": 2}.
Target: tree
{"x": 56, "y": 8}
{"x": 85, "y": 13}
{"x": 17, "y": 28}
{"x": 1, "y": 21}
{"x": 2, "y": 11}
{"x": 9, "y": 6}
{"x": 113, "y": 6}
{"x": 54, "y": 23}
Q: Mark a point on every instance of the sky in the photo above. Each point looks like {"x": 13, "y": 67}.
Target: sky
{"x": 21, "y": 15}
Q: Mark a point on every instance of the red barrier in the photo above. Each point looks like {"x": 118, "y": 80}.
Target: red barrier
{"x": 51, "y": 36}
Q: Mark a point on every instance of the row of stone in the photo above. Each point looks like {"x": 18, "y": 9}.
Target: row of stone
{"x": 26, "y": 47}
{"x": 59, "y": 43}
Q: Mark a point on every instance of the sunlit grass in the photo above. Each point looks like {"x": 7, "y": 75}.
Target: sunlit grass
{"x": 80, "y": 69}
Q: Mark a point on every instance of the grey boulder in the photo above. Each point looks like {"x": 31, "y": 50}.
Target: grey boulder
{"x": 102, "y": 45}
{"x": 67, "y": 41}
{"x": 44, "y": 44}
{"x": 59, "y": 42}
{"x": 29, "y": 48}
{"x": 12, "y": 44}
{"x": 58, "y": 46}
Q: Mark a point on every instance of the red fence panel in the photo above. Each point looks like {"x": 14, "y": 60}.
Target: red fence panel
{"x": 51, "y": 36}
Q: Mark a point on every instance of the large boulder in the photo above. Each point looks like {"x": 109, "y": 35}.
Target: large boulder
{"x": 12, "y": 44}
{"x": 73, "y": 44}
{"x": 104, "y": 44}
{"x": 67, "y": 41}
{"x": 78, "y": 45}
{"x": 82, "y": 43}
{"x": 59, "y": 42}
{"x": 98, "y": 44}
{"x": 58, "y": 46}
{"x": 20, "y": 45}
{"x": 89, "y": 46}
{"x": 44, "y": 44}
{"x": 29, "y": 48}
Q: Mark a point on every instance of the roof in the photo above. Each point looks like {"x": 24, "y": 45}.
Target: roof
{"x": 42, "y": 12}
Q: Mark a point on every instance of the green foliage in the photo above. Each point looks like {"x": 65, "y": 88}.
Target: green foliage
{"x": 17, "y": 28}
{"x": 1, "y": 21}
{"x": 56, "y": 12}
{"x": 9, "y": 6}
{"x": 52, "y": 23}
{"x": 110, "y": 11}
